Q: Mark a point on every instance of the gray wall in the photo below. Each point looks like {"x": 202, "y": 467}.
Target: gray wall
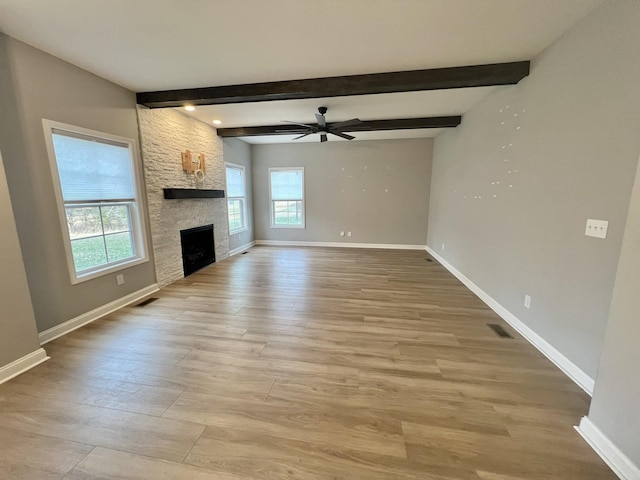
{"x": 614, "y": 408}
{"x": 239, "y": 152}
{"x": 41, "y": 86}
{"x": 18, "y": 334}
{"x": 378, "y": 190}
{"x": 569, "y": 136}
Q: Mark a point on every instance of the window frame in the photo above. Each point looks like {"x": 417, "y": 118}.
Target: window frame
{"x": 136, "y": 207}
{"x": 245, "y": 227}
{"x": 302, "y": 200}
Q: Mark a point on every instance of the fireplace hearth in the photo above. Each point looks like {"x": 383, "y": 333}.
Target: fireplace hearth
{"x": 198, "y": 249}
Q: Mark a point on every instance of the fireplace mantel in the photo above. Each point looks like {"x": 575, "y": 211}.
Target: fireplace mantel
{"x": 178, "y": 193}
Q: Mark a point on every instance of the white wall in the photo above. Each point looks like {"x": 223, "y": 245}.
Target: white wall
{"x": 378, "y": 190}
{"x": 514, "y": 184}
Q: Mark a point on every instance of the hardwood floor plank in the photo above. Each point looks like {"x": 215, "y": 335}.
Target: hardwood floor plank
{"x": 124, "y": 351}
{"x": 145, "y": 328}
{"x": 328, "y": 344}
{"x": 221, "y": 380}
{"x": 349, "y": 429}
{"x": 558, "y": 416}
{"x": 54, "y": 384}
{"x": 259, "y": 456}
{"x": 518, "y": 456}
{"x": 105, "y": 464}
{"x": 28, "y": 456}
{"x": 143, "y": 434}
{"x": 273, "y": 366}
{"x": 418, "y": 351}
{"x": 373, "y": 360}
{"x": 545, "y": 376}
{"x": 497, "y": 476}
{"x": 478, "y": 417}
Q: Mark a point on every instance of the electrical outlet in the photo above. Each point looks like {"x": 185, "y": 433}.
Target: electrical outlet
{"x": 348, "y": 234}
{"x": 527, "y": 301}
{"x": 342, "y": 234}
{"x": 443, "y": 245}
{"x": 596, "y": 228}
{"x": 120, "y": 279}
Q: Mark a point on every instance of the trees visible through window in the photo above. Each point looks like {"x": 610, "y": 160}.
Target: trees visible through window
{"x": 236, "y": 198}
{"x": 286, "y": 187}
{"x": 96, "y": 182}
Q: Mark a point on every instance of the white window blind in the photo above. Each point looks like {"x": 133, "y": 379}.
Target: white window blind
{"x": 93, "y": 169}
{"x": 235, "y": 182}
{"x": 286, "y": 184}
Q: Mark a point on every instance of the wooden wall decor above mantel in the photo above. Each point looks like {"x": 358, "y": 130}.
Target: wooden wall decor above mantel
{"x": 189, "y": 165}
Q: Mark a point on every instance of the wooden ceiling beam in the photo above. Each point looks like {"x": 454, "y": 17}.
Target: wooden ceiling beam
{"x": 365, "y": 126}
{"x": 374, "y": 83}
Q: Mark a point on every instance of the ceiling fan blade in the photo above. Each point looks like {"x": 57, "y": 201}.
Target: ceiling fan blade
{"x": 323, "y": 137}
{"x": 348, "y": 123}
{"x": 296, "y": 123}
{"x": 322, "y": 122}
{"x": 341, "y": 134}
{"x": 301, "y": 136}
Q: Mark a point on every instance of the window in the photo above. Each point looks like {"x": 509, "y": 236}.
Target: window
{"x": 236, "y": 198}
{"x": 286, "y": 189}
{"x": 96, "y": 182}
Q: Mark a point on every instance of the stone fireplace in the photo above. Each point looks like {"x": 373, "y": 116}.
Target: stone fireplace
{"x": 165, "y": 134}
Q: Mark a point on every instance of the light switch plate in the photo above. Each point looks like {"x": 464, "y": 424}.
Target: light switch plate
{"x": 120, "y": 279}
{"x": 596, "y": 228}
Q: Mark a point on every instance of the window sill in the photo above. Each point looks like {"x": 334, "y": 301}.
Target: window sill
{"x": 288, "y": 226}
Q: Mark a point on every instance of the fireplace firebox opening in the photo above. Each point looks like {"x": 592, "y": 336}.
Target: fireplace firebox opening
{"x": 198, "y": 249}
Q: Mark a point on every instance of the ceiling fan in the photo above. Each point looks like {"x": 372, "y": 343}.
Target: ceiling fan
{"x": 323, "y": 128}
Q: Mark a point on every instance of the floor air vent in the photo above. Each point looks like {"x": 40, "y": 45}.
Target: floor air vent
{"x": 147, "y": 302}
{"x": 498, "y": 330}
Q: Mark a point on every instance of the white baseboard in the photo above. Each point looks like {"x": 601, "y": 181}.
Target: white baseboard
{"x": 286, "y": 243}
{"x": 241, "y": 249}
{"x": 95, "y": 314}
{"x": 617, "y": 461}
{"x": 583, "y": 380}
{"x": 22, "y": 365}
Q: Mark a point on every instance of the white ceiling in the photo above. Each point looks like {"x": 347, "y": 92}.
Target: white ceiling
{"x": 147, "y": 45}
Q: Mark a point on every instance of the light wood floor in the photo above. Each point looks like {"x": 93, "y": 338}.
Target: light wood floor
{"x": 301, "y": 363}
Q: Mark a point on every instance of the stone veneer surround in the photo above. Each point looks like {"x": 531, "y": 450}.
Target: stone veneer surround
{"x": 164, "y": 135}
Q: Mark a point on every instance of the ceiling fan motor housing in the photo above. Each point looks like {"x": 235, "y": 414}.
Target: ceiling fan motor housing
{"x": 323, "y": 128}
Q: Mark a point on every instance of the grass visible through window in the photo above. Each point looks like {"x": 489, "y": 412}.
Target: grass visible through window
{"x": 99, "y": 235}
{"x": 236, "y": 213}
{"x": 287, "y": 212}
